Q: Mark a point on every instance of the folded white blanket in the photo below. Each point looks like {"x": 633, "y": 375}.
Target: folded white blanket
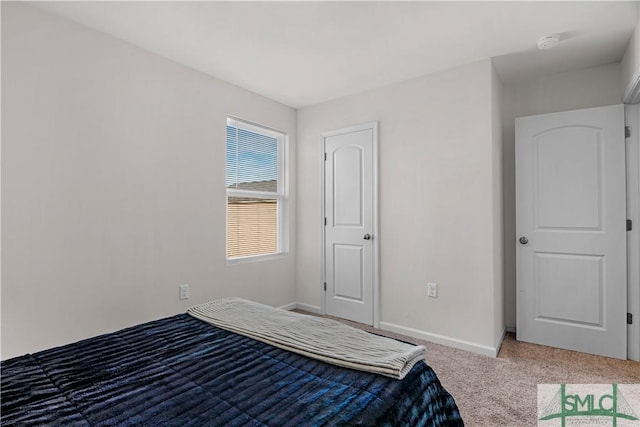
{"x": 319, "y": 338}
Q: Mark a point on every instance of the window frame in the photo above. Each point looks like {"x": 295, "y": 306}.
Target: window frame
{"x": 281, "y": 194}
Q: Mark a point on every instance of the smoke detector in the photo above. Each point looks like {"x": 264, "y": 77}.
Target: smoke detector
{"x": 547, "y": 42}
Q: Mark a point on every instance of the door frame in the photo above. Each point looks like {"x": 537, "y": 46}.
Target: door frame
{"x": 632, "y": 119}
{"x": 373, "y": 126}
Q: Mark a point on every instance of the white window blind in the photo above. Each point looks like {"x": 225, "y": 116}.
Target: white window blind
{"x": 255, "y": 196}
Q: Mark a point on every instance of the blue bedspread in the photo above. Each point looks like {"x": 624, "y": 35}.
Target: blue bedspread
{"x": 180, "y": 371}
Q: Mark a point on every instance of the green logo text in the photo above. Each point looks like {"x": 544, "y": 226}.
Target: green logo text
{"x": 610, "y": 405}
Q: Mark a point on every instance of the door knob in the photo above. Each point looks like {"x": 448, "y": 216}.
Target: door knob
{"x": 367, "y": 236}
{"x": 524, "y": 240}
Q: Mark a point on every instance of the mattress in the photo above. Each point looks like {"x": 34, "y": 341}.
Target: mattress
{"x": 180, "y": 371}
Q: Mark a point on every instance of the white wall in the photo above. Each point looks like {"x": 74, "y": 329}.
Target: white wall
{"x": 630, "y": 73}
{"x": 440, "y": 188}
{"x": 587, "y": 88}
{"x": 112, "y": 195}
{"x": 498, "y": 205}
{"x": 113, "y": 185}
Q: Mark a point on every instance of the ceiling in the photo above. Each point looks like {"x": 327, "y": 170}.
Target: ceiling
{"x": 303, "y": 53}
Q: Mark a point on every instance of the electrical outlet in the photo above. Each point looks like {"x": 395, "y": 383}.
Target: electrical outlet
{"x": 432, "y": 290}
{"x": 184, "y": 291}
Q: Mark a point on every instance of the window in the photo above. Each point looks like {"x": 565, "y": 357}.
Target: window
{"x": 255, "y": 190}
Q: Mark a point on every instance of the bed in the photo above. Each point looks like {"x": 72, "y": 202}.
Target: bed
{"x": 183, "y": 371}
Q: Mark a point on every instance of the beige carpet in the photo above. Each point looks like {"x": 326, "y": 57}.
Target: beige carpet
{"x": 502, "y": 391}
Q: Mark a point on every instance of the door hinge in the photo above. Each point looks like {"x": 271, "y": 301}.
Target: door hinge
{"x": 325, "y": 220}
{"x": 325, "y": 156}
{"x": 629, "y": 225}
{"x": 325, "y": 286}
{"x": 629, "y": 319}
{"x": 627, "y": 131}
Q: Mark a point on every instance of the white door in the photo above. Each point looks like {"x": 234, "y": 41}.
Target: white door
{"x": 571, "y": 231}
{"x": 350, "y": 235}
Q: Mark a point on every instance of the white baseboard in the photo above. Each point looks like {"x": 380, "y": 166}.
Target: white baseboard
{"x": 310, "y": 308}
{"x": 301, "y": 306}
{"x": 498, "y": 343}
{"x": 290, "y": 306}
{"x": 511, "y": 328}
{"x": 444, "y": 340}
{"x": 435, "y": 338}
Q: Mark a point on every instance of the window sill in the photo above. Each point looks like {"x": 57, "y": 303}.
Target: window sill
{"x": 257, "y": 258}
